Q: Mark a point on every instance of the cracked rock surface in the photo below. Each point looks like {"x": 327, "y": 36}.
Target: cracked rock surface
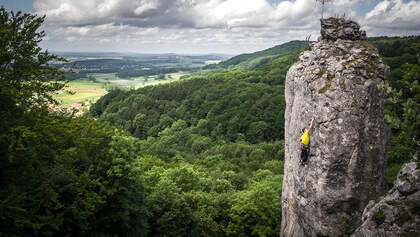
{"x": 339, "y": 83}
{"x": 339, "y": 28}
{"x": 398, "y": 212}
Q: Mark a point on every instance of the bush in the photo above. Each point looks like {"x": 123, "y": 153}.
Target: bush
{"x": 379, "y": 218}
{"x": 348, "y": 224}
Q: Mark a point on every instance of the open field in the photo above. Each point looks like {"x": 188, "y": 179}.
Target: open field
{"x": 84, "y": 92}
{"x": 177, "y": 75}
{"x": 74, "y": 59}
{"x": 111, "y": 80}
{"x": 153, "y": 82}
{"x": 150, "y": 81}
{"x": 103, "y": 77}
{"x": 89, "y": 91}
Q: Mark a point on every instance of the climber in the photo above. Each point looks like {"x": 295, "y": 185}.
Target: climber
{"x": 304, "y": 146}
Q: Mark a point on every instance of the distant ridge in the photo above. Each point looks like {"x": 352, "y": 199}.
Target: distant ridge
{"x": 129, "y": 54}
{"x": 252, "y": 60}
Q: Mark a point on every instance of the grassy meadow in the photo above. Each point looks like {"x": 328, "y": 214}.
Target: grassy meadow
{"x": 87, "y": 91}
{"x": 84, "y": 91}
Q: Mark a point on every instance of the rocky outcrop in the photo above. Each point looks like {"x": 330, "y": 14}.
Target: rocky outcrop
{"x": 333, "y": 29}
{"x": 339, "y": 84}
{"x": 398, "y": 212}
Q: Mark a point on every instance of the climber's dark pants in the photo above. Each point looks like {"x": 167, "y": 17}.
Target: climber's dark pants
{"x": 305, "y": 153}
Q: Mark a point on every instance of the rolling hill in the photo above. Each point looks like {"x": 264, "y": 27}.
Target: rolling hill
{"x": 253, "y": 60}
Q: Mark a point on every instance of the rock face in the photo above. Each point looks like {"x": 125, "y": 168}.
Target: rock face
{"x": 398, "y": 213}
{"x": 333, "y": 29}
{"x": 338, "y": 83}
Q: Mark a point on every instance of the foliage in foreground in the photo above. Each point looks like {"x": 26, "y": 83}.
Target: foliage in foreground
{"x": 67, "y": 175}
{"x": 59, "y": 175}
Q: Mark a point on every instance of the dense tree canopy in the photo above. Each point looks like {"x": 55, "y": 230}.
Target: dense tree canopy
{"x": 229, "y": 126}
{"x": 233, "y": 105}
{"x": 402, "y": 110}
{"x": 59, "y": 175}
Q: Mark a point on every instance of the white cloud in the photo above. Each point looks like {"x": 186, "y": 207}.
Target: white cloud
{"x": 233, "y": 13}
{"x": 254, "y": 24}
{"x": 81, "y": 31}
{"x": 174, "y": 13}
{"x": 188, "y": 13}
{"x": 394, "y": 14}
{"x": 110, "y": 31}
{"x": 235, "y": 25}
{"x": 147, "y": 6}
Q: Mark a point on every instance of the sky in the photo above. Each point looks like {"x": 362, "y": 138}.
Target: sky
{"x": 205, "y": 26}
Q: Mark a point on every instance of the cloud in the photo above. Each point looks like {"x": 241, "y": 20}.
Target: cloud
{"x": 110, "y": 31}
{"x": 238, "y": 25}
{"x": 229, "y": 24}
{"x": 174, "y": 13}
{"x": 142, "y": 13}
{"x": 391, "y": 15}
{"x": 181, "y": 14}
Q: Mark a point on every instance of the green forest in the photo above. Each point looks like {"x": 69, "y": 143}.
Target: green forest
{"x": 202, "y": 156}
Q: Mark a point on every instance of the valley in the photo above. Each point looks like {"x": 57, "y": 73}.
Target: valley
{"x": 94, "y": 74}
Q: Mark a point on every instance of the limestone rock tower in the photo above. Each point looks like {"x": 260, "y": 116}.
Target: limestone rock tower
{"x": 339, "y": 83}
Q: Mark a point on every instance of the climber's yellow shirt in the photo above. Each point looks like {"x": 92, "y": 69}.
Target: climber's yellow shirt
{"x": 305, "y": 138}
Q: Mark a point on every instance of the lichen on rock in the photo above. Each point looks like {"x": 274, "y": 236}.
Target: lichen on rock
{"x": 337, "y": 84}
